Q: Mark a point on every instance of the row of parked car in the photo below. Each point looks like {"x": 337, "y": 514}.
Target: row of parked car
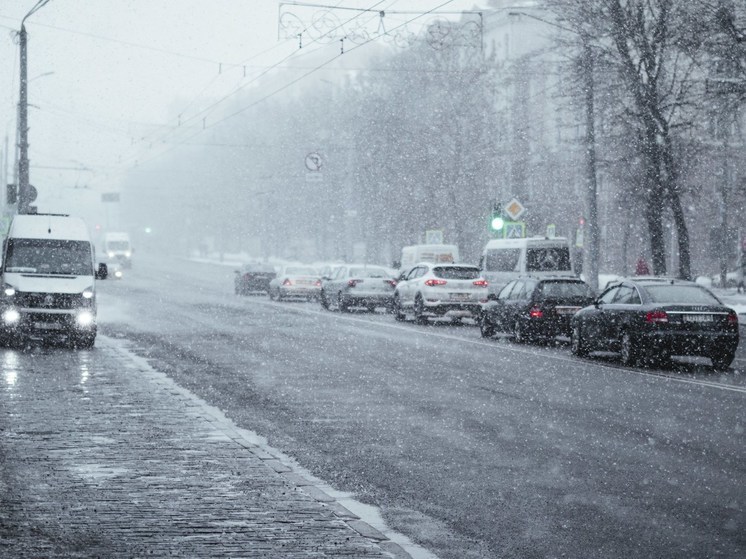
{"x": 646, "y": 320}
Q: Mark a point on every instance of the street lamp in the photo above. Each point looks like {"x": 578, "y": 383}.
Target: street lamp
{"x": 591, "y": 198}
{"x": 24, "y": 197}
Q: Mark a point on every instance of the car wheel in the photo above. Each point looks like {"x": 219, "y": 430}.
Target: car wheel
{"x": 578, "y": 346}
{"x": 486, "y": 328}
{"x": 397, "y": 310}
{"x": 323, "y": 300}
{"x": 419, "y": 310}
{"x": 629, "y": 350}
{"x": 722, "y": 361}
{"x": 341, "y": 305}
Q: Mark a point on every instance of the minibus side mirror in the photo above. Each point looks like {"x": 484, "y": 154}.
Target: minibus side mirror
{"x": 103, "y": 271}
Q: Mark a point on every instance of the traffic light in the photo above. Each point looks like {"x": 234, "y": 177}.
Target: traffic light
{"x": 497, "y": 221}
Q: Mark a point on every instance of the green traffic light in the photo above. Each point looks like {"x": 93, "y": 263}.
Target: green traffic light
{"x": 497, "y": 223}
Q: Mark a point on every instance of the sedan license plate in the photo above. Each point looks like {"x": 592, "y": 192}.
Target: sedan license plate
{"x": 698, "y": 318}
{"x": 460, "y": 296}
{"x": 567, "y": 310}
{"x": 47, "y": 325}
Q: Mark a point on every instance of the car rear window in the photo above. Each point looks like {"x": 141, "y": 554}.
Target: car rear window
{"x": 368, "y": 273}
{"x": 684, "y": 294}
{"x": 550, "y": 289}
{"x": 456, "y": 272}
{"x": 502, "y": 260}
{"x": 548, "y": 259}
{"x": 259, "y": 269}
{"x": 300, "y": 271}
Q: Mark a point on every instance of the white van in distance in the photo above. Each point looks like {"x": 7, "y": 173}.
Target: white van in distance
{"x": 117, "y": 246}
{"x": 503, "y": 260}
{"x": 49, "y": 288}
{"x": 435, "y": 254}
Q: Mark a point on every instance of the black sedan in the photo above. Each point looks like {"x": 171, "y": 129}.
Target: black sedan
{"x": 535, "y": 309}
{"x": 253, "y": 278}
{"x": 649, "y": 320}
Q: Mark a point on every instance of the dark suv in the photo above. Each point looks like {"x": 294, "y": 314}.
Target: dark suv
{"x": 535, "y": 308}
{"x": 253, "y": 278}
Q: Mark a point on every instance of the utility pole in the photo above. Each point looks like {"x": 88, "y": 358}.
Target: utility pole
{"x": 24, "y": 189}
{"x": 23, "y": 162}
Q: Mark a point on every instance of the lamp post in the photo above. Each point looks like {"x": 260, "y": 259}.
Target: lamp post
{"x": 592, "y": 238}
{"x": 24, "y": 197}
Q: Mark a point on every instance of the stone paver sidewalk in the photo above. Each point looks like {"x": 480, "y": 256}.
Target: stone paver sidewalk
{"x": 102, "y": 457}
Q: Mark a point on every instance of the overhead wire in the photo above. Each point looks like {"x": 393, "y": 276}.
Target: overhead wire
{"x": 280, "y": 89}
{"x": 253, "y": 80}
{"x": 242, "y": 64}
{"x": 272, "y": 67}
{"x": 316, "y": 68}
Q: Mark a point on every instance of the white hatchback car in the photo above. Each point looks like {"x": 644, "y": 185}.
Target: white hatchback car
{"x": 427, "y": 290}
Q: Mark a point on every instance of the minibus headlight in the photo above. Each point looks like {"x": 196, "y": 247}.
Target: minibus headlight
{"x": 11, "y": 317}
{"x": 85, "y": 319}
{"x": 88, "y": 293}
{"x": 9, "y": 290}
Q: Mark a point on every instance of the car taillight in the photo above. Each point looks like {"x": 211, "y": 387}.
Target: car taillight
{"x": 535, "y": 312}
{"x": 481, "y": 283}
{"x": 287, "y": 282}
{"x": 656, "y": 317}
{"x": 434, "y": 282}
{"x": 732, "y": 318}
{"x": 354, "y": 282}
{"x": 317, "y": 283}
{"x": 391, "y": 282}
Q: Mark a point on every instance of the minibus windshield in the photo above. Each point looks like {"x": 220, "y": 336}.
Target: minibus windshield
{"x": 49, "y": 256}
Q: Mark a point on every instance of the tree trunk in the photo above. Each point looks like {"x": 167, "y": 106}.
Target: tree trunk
{"x": 653, "y": 213}
{"x": 682, "y": 237}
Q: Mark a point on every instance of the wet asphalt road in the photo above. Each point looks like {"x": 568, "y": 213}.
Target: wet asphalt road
{"x": 471, "y": 447}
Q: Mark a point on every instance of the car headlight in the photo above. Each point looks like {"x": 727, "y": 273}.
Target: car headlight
{"x": 11, "y": 317}
{"x": 85, "y": 319}
{"x": 117, "y": 273}
{"x": 88, "y": 293}
{"x": 9, "y": 290}
{"x": 111, "y": 254}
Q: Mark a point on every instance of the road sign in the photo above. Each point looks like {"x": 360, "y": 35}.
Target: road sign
{"x": 314, "y": 161}
{"x": 515, "y": 229}
{"x": 514, "y": 209}
{"x": 434, "y": 237}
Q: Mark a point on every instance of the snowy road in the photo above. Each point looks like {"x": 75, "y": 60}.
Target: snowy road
{"x": 471, "y": 447}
